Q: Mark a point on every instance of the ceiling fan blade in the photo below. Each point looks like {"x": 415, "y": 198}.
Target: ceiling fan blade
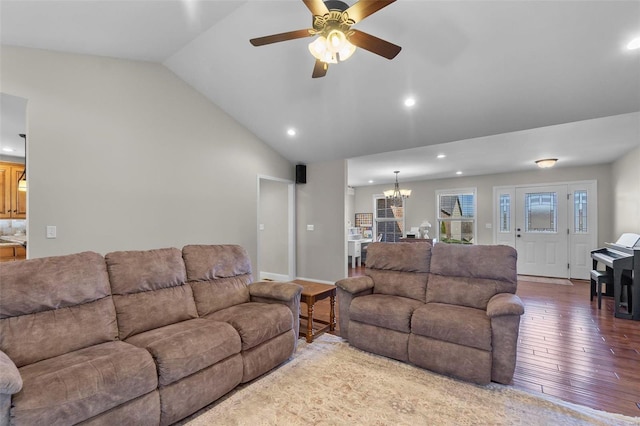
{"x": 320, "y": 69}
{"x": 317, "y": 7}
{"x": 364, "y": 8}
{"x": 373, "y": 44}
{"x": 275, "y": 38}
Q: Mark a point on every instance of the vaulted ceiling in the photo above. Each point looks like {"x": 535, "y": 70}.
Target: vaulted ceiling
{"x": 481, "y": 73}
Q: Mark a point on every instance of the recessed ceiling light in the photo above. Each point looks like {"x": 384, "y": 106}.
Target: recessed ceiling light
{"x": 441, "y": 156}
{"x": 8, "y": 149}
{"x": 459, "y": 172}
{"x": 634, "y": 44}
{"x": 409, "y": 102}
{"x": 370, "y": 181}
{"x": 291, "y": 132}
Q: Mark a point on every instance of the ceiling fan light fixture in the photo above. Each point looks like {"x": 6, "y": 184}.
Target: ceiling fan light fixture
{"x": 331, "y": 52}
{"x": 546, "y": 163}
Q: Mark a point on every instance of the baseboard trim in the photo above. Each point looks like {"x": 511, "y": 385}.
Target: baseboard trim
{"x": 273, "y": 277}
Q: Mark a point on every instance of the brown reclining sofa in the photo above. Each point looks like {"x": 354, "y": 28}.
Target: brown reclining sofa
{"x": 136, "y": 337}
{"x": 448, "y": 308}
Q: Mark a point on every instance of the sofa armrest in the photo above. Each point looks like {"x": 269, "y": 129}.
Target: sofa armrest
{"x": 504, "y": 304}
{"x": 10, "y": 380}
{"x": 349, "y": 289}
{"x": 10, "y": 383}
{"x": 355, "y": 285}
{"x": 282, "y": 293}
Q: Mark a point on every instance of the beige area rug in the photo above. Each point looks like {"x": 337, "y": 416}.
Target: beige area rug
{"x": 544, "y": 280}
{"x": 330, "y": 383}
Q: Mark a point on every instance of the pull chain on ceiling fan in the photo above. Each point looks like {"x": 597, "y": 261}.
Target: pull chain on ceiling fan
{"x": 332, "y": 21}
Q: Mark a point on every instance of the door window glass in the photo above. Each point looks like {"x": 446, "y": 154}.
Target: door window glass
{"x": 541, "y": 212}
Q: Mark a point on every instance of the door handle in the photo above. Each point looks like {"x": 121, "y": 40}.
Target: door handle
{"x": 518, "y": 235}
{"x": 518, "y": 229}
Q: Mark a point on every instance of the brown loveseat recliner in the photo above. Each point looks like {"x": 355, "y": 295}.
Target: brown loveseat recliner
{"x": 449, "y": 308}
{"x": 136, "y": 337}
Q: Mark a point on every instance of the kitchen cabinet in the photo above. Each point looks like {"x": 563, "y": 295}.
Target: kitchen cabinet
{"x": 13, "y": 203}
{"x": 11, "y": 252}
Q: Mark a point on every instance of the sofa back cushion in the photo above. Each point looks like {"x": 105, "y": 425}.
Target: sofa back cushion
{"x": 149, "y": 289}
{"x": 218, "y": 274}
{"x": 399, "y": 269}
{"x": 470, "y": 275}
{"x": 54, "y": 305}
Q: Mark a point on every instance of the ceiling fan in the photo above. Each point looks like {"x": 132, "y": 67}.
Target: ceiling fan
{"x": 332, "y": 21}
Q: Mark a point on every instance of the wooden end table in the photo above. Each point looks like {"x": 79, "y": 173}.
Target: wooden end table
{"x": 311, "y": 293}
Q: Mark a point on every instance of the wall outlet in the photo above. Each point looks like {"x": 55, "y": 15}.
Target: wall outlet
{"x": 487, "y": 225}
{"x": 261, "y": 227}
{"x": 51, "y": 231}
{"x": 310, "y": 227}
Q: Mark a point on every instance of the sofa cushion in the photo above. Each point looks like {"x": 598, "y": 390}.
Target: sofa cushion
{"x": 53, "y": 282}
{"x": 399, "y": 269}
{"x": 470, "y": 275}
{"x": 182, "y": 349}
{"x": 78, "y": 385}
{"x": 137, "y": 271}
{"x": 454, "y": 324}
{"x": 149, "y": 289}
{"x": 381, "y": 310}
{"x": 67, "y": 306}
{"x": 219, "y": 275}
{"x": 256, "y": 322}
{"x": 214, "y": 295}
{"x": 31, "y": 338}
{"x": 153, "y": 309}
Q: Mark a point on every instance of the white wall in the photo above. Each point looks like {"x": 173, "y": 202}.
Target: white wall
{"x": 422, "y": 204}
{"x": 626, "y": 189}
{"x": 322, "y": 253}
{"x": 124, "y": 155}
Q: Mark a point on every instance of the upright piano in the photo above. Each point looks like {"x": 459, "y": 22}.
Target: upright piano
{"x": 622, "y": 260}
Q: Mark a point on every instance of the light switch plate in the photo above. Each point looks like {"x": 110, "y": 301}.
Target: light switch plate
{"x": 310, "y": 227}
{"x": 51, "y": 231}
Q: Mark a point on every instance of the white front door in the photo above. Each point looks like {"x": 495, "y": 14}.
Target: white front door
{"x": 541, "y": 231}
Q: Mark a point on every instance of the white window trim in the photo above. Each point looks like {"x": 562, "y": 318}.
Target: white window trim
{"x": 459, "y": 191}
{"x": 375, "y": 216}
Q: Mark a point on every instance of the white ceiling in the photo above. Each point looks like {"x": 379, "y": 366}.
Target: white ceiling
{"x": 476, "y": 68}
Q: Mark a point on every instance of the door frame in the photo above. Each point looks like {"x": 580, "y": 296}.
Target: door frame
{"x": 592, "y": 187}
{"x": 291, "y": 229}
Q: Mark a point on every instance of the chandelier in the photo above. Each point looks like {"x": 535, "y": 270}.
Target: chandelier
{"x": 396, "y": 196}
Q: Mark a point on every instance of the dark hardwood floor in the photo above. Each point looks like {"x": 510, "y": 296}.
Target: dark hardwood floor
{"x": 569, "y": 348}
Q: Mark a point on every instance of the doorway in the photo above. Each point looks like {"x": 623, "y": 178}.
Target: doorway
{"x": 276, "y": 229}
{"x": 553, "y": 227}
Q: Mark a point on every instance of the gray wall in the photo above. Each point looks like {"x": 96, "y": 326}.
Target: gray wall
{"x": 626, "y": 189}
{"x": 124, "y": 155}
{"x": 422, "y": 204}
{"x": 274, "y": 250}
{"x": 322, "y": 253}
